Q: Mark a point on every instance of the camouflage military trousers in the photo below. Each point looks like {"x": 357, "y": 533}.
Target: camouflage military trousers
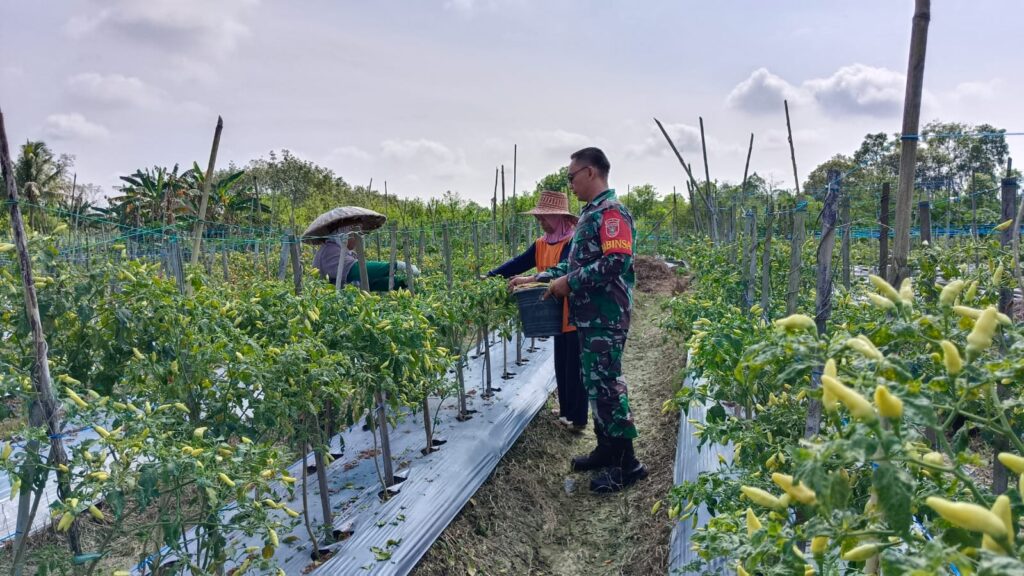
{"x": 601, "y": 366}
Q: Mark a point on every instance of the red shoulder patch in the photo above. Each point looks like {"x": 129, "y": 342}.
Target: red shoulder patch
{"x": 616, "y": 236}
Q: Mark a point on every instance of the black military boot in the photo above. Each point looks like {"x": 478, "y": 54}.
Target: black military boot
{"x": 625, "y": 471}
{"x": 600, "y": 457}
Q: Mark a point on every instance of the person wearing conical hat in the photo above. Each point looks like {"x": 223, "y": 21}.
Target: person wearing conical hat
{"x": 331, "y": 252}
{"x": 558, "y": 224}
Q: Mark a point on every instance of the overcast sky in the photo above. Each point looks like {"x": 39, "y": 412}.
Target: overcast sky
{"x": 432, "y": 95}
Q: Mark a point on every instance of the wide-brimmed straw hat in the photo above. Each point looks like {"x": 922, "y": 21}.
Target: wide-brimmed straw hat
{"x": 552, "y": 203}
{"x": 340, "y": 220}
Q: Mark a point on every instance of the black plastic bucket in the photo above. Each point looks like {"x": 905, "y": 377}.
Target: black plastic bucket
{"x": 540, "y": 318}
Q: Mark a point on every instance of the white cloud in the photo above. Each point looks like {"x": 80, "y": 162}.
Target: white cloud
{"x": 428, "y": 155}
{"x": 74, "y": 126}
{"x": 187, "y": 70}
{"x": 860, "y": 89}
{"x": 468, "y": 7}
{"x": 979, "y": 91}
{"x": 116, "y": 89}
{"x": 351, "y": 153}
{"x": 684, "y": 136}
{"x": 559, "y": 141}
{"x": 763, "y": 92}
{"x": 857, "y": 90}
{"x": 179, "y": 24}
{"x": 775, "y": 139}
{"x": 460, "y": 5}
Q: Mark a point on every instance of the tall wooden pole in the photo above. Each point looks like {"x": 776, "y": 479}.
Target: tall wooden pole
{"x": 908, "y": 145}
{"x": 692, "y": 181}
{"x": 883, "y": 230}
{"x": 712, "y": 201}
{"x": 207, "y": 181}
{"x": 823, "y": 296}
{"x": 44, "y": 409}
{"x": 796, "y": 241}
{"x": 1008, "y": 196}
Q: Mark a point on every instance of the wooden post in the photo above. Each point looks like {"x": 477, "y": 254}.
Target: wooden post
{"x": 909, "y": 138}
{"x": 798, "y": 233}
{"x": 796, "y": 244}
{"x": 883, "y": 231}
{"x": 844, "y": 248}
{"x": 476, "y": 249}
{"x": 1008, "y": 196}
{"x": 750, "y": 258}
{"x": 419, "y": 254}
{"x": 504, "y": 221}
{"x": 173, "y": 262}
{"x": 692, "y": 187}
{"x": 339, "y": 274}
{"x": 447, "y": 254}
{"x": 924, "y": 209}
{"x": 515, "y": 166}
{"x": 295, "y": 250}
{"x": 43, "y": 409}
{"x": 823, "y": 297}
{"x": 224, "y": 262}
{"x": 792, "y": 150}
{"x": 675, "y": 223}
{"x": 380, "y": 419}
{"x": 282, "y": 262}
{"x": 393, "y": 233}
{"x": 949, "y": 213}
{"x": 207, "y": 181}
{"x": 712, "y": 200}
{"x": 296, "y": 257}
{"x": 693, "y": 209}
{"x": 409, "y": 276}
{"x": 766, "y": 262}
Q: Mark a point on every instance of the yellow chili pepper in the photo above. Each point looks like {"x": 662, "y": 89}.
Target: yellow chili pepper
{"x": 762, "y": 498}
{"x": 1012, "y": 461}
{"x": 753, "y": 523}
{"x": 862, "y": 552}
{"x": 951, "y": 358}
{"x": 980, "y": 337}
{"x": 968, "y": 516}
{"x": 889, "y": 405}
{"x": 858, "y": 406}
{"x": 950, "y": 291}
{"x": 797, "y": 491}
{"x": 1001, "y": 508}
{"x": 885, "y": 289}
{"x": 796, "y": 322}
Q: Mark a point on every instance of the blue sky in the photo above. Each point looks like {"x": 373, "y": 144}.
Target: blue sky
{"x": 432, "y": 95}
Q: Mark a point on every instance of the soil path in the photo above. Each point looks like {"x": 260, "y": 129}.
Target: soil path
{"x": 535, "y": 517}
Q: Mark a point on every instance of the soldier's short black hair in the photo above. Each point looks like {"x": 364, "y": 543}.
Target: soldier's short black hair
{"x": 593, "y": 157}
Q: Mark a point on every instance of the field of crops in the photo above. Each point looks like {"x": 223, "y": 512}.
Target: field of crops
{"x": 876, "y": 429}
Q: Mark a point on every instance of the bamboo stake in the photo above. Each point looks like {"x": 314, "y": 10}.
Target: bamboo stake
{"x": 689, "y": 174}
{"x": 46, "y": 411}
{"x": 823, "y": 297}
{"x": 207, "y": 181}
{"x": 712, "y": 200}
{"x": 909, "y": 138}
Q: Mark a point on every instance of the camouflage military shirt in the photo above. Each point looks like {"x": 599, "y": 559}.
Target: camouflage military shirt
{"x": 600, "y": 266}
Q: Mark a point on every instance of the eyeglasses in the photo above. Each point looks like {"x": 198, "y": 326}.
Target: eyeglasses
{"x": 572, "y": 175}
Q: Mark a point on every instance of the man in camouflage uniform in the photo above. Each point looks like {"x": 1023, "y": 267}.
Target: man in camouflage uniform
{"x": 598, "y": 280}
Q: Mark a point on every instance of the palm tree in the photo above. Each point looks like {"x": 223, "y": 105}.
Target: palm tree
{"x": 155, "y": 195}
{"x": 41, "y": 175}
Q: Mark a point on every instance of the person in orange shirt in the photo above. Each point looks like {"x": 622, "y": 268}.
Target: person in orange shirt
{"x": 558, "y": 223}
